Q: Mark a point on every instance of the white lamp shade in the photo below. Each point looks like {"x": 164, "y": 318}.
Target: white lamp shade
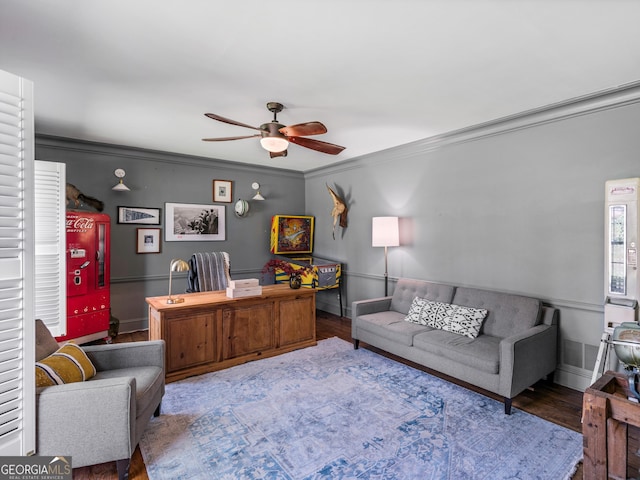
{"x": 385, "y": 232}
{"x": 274, "y": 144}
{"x": 120, "y": 187}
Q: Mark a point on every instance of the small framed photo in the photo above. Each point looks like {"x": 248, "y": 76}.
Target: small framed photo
{"x": 148, "y": 240}
{"x": 222, "y": 191}
{"x": 139, "y": 215}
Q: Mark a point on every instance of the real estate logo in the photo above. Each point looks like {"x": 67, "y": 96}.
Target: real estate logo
{"x": 35, "y": 468}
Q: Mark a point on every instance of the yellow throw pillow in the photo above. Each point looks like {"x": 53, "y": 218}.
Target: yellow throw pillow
{"x": 67, "y": 365}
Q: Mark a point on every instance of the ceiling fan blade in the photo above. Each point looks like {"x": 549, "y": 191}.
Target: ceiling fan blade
{"x": 278, "y": 154}
{"x": 222, "y": 139}
{"x": 323, "y": 147}
{"x": 301, "y": 129}
{"x": 213, "y": 116}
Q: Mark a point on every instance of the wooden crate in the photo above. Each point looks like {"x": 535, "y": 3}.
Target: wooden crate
{"x": 607, "y": 414}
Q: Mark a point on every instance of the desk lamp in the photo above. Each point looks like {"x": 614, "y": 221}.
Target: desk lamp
{"x": 176, "y": 265}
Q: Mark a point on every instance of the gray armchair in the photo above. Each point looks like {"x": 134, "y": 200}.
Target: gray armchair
{"x": 102, "y": 419}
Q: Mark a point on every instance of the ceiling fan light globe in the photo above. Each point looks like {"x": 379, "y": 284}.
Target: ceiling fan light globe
{"x": 274, "y": 144}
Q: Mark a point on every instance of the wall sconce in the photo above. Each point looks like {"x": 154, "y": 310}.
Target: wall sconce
{"x": 385, "y": 233}
{"x": 120, "y": 186}
{"x": 241, "y": 207}
{"x": 257, "y": 196}
{"x": 176, "y": 265}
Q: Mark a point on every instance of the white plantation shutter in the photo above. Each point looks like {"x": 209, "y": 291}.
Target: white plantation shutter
{"x": 17, "y": 325}
{"x": 50, "y": 246}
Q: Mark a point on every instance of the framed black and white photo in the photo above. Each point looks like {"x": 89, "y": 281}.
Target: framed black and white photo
{"x": 139, "y": 215}
{"x": 148, "y": 240}
{"x": 188, "y": 222}
{"x": 222, "y": 191}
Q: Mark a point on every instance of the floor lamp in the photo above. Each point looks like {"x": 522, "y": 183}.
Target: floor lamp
{"x": 385, "y": 233}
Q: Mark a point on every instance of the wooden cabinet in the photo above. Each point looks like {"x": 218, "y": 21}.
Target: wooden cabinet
{"x": 191, "y": 340}
{"x": 246, "y": 330}
{"x": 293, "y": 328}
{"x": 209, "y": 331}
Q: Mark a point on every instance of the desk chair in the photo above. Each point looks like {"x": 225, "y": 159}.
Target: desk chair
{"x": 208, "y": 271}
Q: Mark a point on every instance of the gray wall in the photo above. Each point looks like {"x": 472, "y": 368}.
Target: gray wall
{"x": 155, "y": 178}
{"x": 515, "y": 206}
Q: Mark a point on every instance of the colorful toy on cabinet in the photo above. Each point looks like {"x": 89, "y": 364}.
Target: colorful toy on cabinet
{"x": 315, "y": 273}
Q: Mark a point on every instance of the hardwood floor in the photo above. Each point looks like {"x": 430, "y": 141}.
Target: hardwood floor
{"x": 547, "y": 400}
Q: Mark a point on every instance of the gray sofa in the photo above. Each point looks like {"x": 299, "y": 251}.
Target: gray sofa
{"x": 515, "y": 348}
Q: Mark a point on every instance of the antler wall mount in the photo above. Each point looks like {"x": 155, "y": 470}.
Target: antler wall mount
{"x": 276, "y": 137}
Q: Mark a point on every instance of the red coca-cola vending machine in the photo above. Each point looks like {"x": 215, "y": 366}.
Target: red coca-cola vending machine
{"x": 88, "y": 276}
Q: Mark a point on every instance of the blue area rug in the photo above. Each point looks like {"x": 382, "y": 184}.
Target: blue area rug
{"x": 330, "y": 411}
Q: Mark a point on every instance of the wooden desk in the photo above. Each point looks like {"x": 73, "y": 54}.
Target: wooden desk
{"x": 209, "y": 331}
{"x": 606, "y": 415}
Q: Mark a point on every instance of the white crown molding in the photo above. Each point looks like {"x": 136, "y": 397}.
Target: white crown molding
{"x": 135, "y": 153}
{"x": 620, "y": 96}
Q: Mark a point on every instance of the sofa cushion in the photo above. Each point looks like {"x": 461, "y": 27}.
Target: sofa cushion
{"x": 390, "y": 325}
{"x": 453, "y": 318}
{"x": 68, "y": 364}
{"x": 508, "y": 314}
{"x": 482, "y": 353}
{"x": 407, "y": 289}
{"x": 148, "y": 379}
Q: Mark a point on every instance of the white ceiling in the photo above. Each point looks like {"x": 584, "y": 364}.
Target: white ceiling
{"x": 377, "y": 73}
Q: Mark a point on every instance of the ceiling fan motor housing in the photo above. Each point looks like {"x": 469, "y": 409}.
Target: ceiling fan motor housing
{"x": 272, "y": 129}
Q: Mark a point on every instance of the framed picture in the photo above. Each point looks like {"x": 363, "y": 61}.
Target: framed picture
{"x": 188, "y": 222}
{"x": 139, "y": 215}
{"x": 148, "y": 240}
{"x": 291, "y": 234}
{"x": 222, "y": 191}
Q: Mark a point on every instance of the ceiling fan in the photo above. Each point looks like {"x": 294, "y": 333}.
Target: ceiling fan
{"x": 275, "y": 137}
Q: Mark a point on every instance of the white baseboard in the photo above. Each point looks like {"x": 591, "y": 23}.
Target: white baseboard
{"x": 577, "y": 380}
{"x": 133, "y": 325}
